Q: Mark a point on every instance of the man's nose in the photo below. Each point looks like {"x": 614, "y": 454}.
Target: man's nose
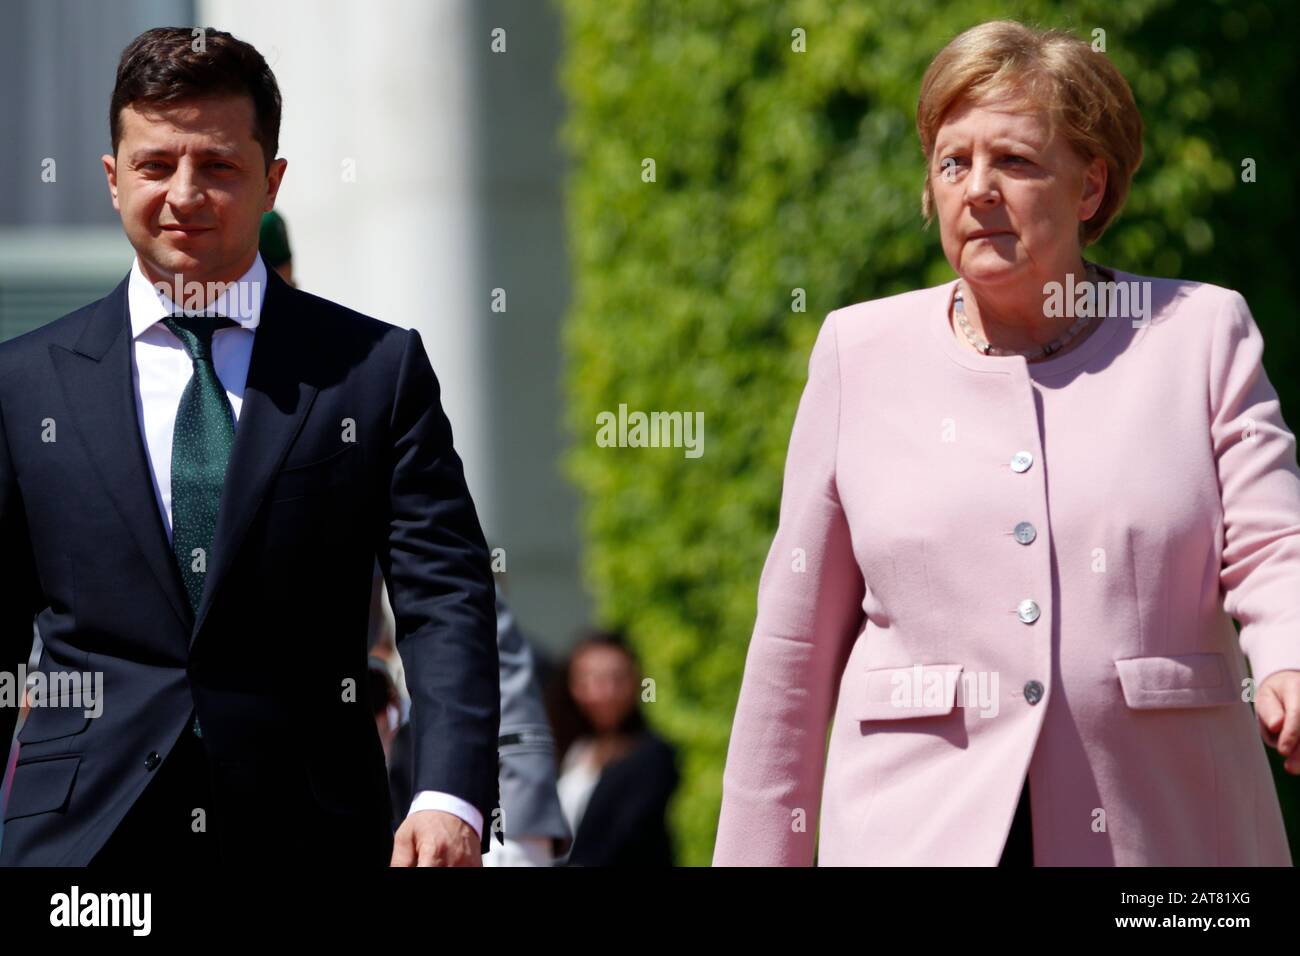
{"x": 183, "y": 192}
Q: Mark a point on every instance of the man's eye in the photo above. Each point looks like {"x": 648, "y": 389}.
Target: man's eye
{"x": 151, "y": 164}
{"x": 1017, "y": 159}
{"x": 221, "y": 166}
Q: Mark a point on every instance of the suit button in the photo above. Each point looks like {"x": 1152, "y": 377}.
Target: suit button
{"x": 1033, "y": 692}
{"x": 1025, "y": 532}
{"x": 152, "y": 761}
{"x": 1028, "y": 611}
{"x": 1021, "y": 461}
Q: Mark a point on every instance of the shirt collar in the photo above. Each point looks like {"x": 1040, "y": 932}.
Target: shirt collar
{"x": 243, "y": 302}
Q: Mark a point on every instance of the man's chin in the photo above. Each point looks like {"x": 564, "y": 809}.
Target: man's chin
{"x": 172, "y": 263}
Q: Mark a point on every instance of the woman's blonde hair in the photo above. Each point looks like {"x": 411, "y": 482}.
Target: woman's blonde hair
{"x": 1084, "y": 95}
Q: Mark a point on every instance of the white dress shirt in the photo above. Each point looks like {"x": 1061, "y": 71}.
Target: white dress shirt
{"x": 160, "y": 370}
{"x": 577, "y": 782}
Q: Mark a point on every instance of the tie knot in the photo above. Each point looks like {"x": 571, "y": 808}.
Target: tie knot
{"x": 195, "y": 331}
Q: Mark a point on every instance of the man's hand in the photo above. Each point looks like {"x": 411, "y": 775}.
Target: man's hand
{"x": 436, "y": 838}
{"x": 1277, "y": 705}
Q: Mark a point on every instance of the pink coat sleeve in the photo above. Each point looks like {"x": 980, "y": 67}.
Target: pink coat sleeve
{"x": 810, "y": 598}
{"x": 1260, "y": 487}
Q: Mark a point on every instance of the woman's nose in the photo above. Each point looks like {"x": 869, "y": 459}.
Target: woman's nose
{"x": 981, "y": 185}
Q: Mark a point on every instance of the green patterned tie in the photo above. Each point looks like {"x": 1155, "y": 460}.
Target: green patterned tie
{"x": 201, "y": 441}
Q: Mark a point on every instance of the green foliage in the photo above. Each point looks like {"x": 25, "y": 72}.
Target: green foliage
{"x": 778, "y": 170}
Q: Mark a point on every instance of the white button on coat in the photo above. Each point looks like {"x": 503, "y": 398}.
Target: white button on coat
{"x": 1028, "y": 611}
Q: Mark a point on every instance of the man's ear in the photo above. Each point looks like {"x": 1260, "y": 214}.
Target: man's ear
{"x": 110, "y": 171}
{"x": 274, "y": 176}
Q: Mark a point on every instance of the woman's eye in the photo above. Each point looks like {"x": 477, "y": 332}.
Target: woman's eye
{"x": 1016, "y": 159}
{"x": 948, "y": 167}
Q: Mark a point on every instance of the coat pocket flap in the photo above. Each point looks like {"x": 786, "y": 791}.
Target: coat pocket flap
{"x": 49, "y": 721}
{"x": 913, "y": 690}
{"x": 41, "y": 785}
{"x": 1188, "y": 680}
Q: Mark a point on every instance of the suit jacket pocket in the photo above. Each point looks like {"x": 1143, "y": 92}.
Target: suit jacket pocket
{"x": 314, "y": 477}
{"x": 52, "y": 721}
{"x": 1186, "y": 680}
{"x": 909, "y": 690}
{"x": 41, "y": 785}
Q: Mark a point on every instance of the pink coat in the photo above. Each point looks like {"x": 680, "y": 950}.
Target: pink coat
{"x": 987, "y": 568}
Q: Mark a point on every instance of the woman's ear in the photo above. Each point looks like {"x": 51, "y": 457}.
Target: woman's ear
{"x": 1094, "y": 188}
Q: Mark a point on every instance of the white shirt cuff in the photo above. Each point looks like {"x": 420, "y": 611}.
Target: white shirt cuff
{"x": 437, "y": 800}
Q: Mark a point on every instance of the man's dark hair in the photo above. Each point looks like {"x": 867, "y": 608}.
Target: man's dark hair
{"x": 162, "y": 67}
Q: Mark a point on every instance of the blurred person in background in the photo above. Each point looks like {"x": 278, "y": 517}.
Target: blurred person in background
{"x": 273, "y": 244}
{"x": 386, "y": 704}
{"x": 616, "y": 774}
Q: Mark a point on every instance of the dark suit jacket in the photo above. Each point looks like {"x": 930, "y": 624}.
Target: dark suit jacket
{"x": 280, "y": 634}
{"x": 624, "y": 821}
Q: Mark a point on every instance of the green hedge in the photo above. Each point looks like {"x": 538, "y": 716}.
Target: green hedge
{"x": 779, "y": 170}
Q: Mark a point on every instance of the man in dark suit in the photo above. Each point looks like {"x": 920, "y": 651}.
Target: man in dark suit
{"x": 194, "y": 486}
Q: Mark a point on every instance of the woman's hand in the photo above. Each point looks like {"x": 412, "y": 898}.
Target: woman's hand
{"x": 1277, "y": 705}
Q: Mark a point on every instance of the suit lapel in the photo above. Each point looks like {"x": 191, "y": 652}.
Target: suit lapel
{"x": 277, "y": 397}
{"x": 96, "y": 378}
{"x": 97, "y": 383}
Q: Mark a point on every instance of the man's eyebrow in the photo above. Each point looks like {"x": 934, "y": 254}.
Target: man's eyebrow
{"x": 158, "y": 152}
{"x": 219, "y": 151}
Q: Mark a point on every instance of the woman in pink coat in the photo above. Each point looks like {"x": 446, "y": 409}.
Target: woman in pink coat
{"x": 1020, "y": 512}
